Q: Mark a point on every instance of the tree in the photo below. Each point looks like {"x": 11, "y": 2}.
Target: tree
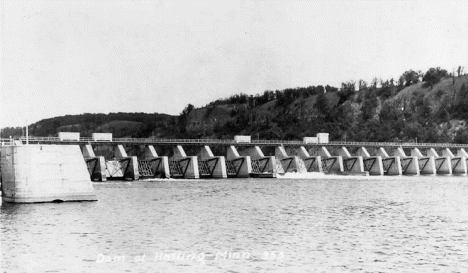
{"x": 401, "y": 82}
{"x": 460, "y": 71}
{"x": 433, "y": 76}
{"x": 347, "y": 90}
{"x": 368, "y": 106}
{"x": 183, "y": 118}
{"x": 461, "y": 137}
{"x": 460, "y": 106}
{"x": 362, "y": 85}
{"x": 322, "y": 104}
{"x": 330, "y": 89}
{"x": 385, "y": 91}
{"x": 320, "y": 89}
{"x": 463, "y": 93}
{"x": 410, "y": 77}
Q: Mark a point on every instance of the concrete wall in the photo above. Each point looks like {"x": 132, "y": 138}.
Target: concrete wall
{"x": 97, "y": 168}
{"x": 363, "y": 152}
{"x": 256, "y": 153}
{"x": 391, "y": 164}
{"x": 311, "y": 163}
{"x": 242, "y": 164}
{"x": 443, "y": 163}
{"x": 150, "y": 152}
{"x": 44, "y": 173}
{"x": 289, "y": 163}
{"x": 162, "y": 169}
{"x": 351, "y": 164}
{"x": 459, "y": 164}
{"x": 192, "y": 170}
{"x": 330, "y": 164}
{"x": 87, "y": 151}
{"x": 323, "y": 152}
{"x": 462, "y": 152}
{"x": 96, "y": 164}
{"x": 426, "y": 163}
{"x": 219, "y": 169}
{"x": 409, "y": 164}
{"x": 382, "y": 153}
{"x": 119, "y": 151}
{"x": 372, "y": 164}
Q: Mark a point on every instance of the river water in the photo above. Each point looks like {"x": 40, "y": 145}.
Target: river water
{"x": 332, "y": 224}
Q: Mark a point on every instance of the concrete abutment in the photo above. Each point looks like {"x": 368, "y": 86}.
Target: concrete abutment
{"x": 286, "y": 163}
{"x": 236, "y": 165}
{"x": 409, "y": 164}
{"x": 211, "y": 165}
{"x": 183, "y": 166}
{"x": 458, "y": 163}
{"x": 262, "y": 166}
{"x": 426, "y": 163}
{"x": 311, "y": 163}
{"x": 330, "y": 164}
{"x": 352, "y": 164}
{"x": 391, "y": 164}
{"x": 372, "y": 164}
{"x": 443, "y": 164}
{"x": 44, "y": 173}
{"x": 152, "y": 165}
{"x": 96, "y": 164}
{"x": 462, "y": 156}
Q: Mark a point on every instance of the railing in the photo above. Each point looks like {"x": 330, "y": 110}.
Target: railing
{"x": 159, "y": 140}
{"x": 6, "y": 141}
{"x": 395, "y": 144}
{"x": 233, "y": 142}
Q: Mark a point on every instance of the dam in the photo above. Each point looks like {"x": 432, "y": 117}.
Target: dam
{"x": 244, "y": 157}
{"x": 45, "y": 169}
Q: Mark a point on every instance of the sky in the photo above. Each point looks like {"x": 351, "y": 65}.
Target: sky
{"x": 72, "y": 57}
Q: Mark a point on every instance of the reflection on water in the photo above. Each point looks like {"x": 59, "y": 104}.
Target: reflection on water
{"x": 246, "y": 225}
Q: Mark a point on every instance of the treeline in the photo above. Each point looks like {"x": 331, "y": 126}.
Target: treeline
{"x": 13, "y": 132}
{"x": 120, "y": 124}
{"x": 286, "y": 96}
{"x": 283, "y": 96}
{"x": 357, "y": 111}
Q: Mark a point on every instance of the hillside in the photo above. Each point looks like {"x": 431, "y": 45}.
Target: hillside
{"x": 120, "y": 124}
{"x": 390, "y": 112}
{"x": 430, "y": 107}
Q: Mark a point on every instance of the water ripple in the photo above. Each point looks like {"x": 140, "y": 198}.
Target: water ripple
{"x": 390, "y": 224}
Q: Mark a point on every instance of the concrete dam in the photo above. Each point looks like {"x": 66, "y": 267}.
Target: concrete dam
{"x": 44, "y": 169}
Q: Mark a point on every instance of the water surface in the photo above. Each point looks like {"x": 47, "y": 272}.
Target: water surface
{"x": 335, "y": 224}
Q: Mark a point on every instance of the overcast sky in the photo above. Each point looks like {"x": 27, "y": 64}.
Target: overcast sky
{"x": 72, "y": 57}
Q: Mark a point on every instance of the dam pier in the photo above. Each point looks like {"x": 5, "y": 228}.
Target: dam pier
{"x": 42, "y": 169}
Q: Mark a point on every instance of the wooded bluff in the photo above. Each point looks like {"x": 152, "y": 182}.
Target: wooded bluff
{"x": 422, "y": 107}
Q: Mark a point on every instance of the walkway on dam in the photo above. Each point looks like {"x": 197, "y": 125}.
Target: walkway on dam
{"x": 228, "y": 142}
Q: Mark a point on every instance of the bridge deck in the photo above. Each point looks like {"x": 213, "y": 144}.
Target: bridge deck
{"x": 228, "y": 142}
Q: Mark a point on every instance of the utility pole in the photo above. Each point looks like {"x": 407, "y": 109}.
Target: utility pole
{"x": 27, "y": 133}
